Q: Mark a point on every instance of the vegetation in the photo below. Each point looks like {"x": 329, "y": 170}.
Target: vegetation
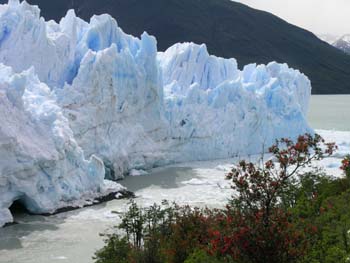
{"x": 346, "y": 166}
{"x": 278, "y": 213}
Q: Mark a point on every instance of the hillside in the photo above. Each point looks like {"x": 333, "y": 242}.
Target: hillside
{"x": 228, "y": 28}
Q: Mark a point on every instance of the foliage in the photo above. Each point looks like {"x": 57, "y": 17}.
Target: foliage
{"x": 324, "y": 202}
{"x": 346, "y": 165}
{"x": 116, "y": 250}
{"x": 166, "y": 233}
{"x": 263, "y": 229}
{"x": 260, "y": 187}
{"x": 278, "y": 214}
{"x": 200, "y": 256}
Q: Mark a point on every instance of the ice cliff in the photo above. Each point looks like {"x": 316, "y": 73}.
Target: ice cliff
{"x": 216, "y": 110}
{"x": 41, "y": 164}
{"x": 81, "y": 101}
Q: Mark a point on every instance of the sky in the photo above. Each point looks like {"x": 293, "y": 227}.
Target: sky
{"x": 318, "y": 16}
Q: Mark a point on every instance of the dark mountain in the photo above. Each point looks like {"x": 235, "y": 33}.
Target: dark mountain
{"x": 228, "y": 28}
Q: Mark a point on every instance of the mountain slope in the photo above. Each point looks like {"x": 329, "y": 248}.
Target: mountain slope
{"x": 228, "y": 28}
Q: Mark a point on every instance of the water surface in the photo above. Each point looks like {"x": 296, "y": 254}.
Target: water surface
{"x": 330, "y": 112}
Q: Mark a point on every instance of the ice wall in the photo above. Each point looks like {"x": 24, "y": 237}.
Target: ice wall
{"x": 115, "y": 104}
{"x": 77, "y": 88}
{"x": 41, "y": 164}
{"x": 216, "y": 111}
{"x": 107, "y": 82}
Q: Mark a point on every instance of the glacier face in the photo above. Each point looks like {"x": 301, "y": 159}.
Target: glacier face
{"x": 115, "y": 106}
{"x": 214, "y": 109}
{"x": 75, "y": 88}
{"x": 41, "y": 164}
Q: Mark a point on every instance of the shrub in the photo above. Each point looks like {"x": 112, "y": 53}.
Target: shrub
{"x": 116, "y": 250}
{"x": 200, "y": 256}
{"x": 324, "y": 202}
{"x": 266, "y": 221}
{"x": 263, "y": 229}
{"x": 346, "y": 166}
{"x": 167, "y": 233}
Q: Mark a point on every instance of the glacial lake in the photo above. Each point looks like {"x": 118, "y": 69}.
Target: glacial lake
{"x": 73, "y": 237}
{"x": 330, "y": 112}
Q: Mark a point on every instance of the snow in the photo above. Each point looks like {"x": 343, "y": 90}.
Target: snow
{"x": 343, "y": 43}
{"x": 83, "y": 99}
{"x": 346, "y": 38}
{"x": 329, "y": 38}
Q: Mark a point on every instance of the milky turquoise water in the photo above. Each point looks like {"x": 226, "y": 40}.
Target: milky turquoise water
{"x": 330, "y": 112}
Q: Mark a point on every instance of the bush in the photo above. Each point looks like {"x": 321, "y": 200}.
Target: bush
{"x": 201, "y": 256}
{"x": 346, "y": 166}
{"x": 166, "y": 233}
{"x": 269, "y": 220}
{"x": 116, "y": 250}
{"x": 259, "y": 226}
{"x": 324, "y": 202}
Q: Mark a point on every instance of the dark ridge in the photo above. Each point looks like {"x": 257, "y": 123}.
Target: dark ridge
{"x": 228, "y": 28}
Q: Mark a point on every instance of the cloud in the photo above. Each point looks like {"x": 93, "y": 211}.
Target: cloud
{"x": 319, "y": 16}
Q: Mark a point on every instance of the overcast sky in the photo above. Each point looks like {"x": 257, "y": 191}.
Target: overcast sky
{"x": 318, "y": 16}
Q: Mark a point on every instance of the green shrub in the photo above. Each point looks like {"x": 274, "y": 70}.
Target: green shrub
{"x": 116, "y": 249}
{"x": 201, "y": 256}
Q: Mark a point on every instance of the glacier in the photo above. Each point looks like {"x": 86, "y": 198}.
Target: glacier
{"x": 216, "y": 110}
{"x": 41, "y": 164}
{"x": 82, "y": 102}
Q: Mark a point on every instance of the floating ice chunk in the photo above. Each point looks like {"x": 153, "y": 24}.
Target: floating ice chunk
{"x": 135, "y": 172}
{"x": 196, "y": 181}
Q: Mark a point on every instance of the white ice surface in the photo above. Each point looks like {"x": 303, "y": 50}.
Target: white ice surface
{"x": 41, "y": 164}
